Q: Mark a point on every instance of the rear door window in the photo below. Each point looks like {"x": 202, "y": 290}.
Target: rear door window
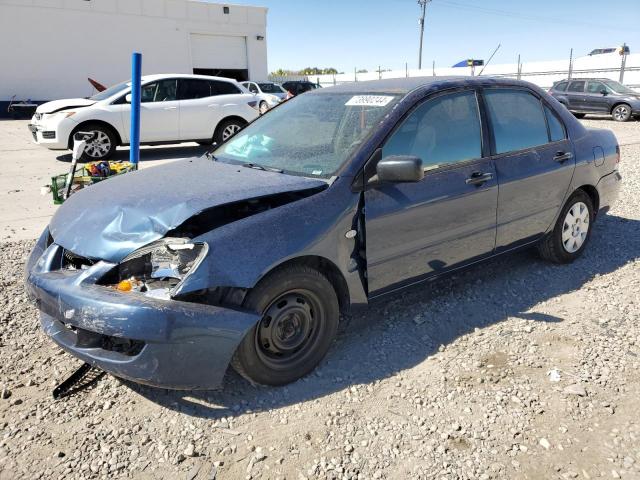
{"x": 576, "y": 86}
{"x": 517, "y": 120}
{"x": 442, "y": 131}
{"x": 192, "y": 89}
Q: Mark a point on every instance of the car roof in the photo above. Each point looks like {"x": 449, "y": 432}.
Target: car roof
{"x": 600, "y": 79}
{"x": 160, "y": 76}
{"x": 406, "y": 85}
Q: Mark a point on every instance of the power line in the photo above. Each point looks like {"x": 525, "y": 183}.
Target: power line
{"x": 522, "y": 16}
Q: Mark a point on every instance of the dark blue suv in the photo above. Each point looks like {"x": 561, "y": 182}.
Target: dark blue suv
{"x": 598, "y": 96}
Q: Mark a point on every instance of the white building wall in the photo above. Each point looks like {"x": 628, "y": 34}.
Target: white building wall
{"x": 50, "y": 47}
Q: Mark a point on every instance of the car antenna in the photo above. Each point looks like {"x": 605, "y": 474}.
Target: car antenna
{"x": 488, "y": 61}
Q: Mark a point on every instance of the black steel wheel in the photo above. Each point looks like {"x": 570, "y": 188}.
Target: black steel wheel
{"x": 300, "y": 316}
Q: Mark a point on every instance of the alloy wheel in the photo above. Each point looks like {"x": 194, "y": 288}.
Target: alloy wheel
{"x": 576, "y": 227}
{"x": 230, "y": 131}
{"x": 621, "y": 113}
{"x": 99, "y": 146}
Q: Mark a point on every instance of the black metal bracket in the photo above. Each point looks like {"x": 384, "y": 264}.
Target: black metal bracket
{"x": 86, "y": 374}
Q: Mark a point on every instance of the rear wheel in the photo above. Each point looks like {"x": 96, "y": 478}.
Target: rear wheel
{"x": 300, "y": 316}
{"x": 572, "y": 231}
{"x": 621, "y": 113}
{"x": 228, "y": 129}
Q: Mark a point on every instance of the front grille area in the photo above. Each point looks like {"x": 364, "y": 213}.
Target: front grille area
{"x": 49, "y": 135}
{"x": 88, "y": 339}
{"x": 72, "y": 261}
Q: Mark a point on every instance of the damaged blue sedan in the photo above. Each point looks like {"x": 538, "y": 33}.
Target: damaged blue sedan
{"x": 247, "y": 256}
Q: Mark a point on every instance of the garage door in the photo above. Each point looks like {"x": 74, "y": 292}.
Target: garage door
{"x": 218, "y": 52}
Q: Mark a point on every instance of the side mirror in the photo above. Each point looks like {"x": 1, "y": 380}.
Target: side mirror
{"x": 400, "y": 168}
{"x": 603, "y": 92}
{"x": 127, "y": 98}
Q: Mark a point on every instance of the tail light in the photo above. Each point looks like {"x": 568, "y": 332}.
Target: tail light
{"x": 253, "y": 104}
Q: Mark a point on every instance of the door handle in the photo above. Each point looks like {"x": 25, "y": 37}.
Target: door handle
{"x": 478, "y": 178}
{"x": 170, "y": 108}
{"x": 561, "y": 157}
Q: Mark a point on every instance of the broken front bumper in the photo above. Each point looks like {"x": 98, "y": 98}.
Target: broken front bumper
{"x": 164, "y": 343}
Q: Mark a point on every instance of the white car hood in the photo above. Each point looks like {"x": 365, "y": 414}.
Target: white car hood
{"x": 57, "y": 105}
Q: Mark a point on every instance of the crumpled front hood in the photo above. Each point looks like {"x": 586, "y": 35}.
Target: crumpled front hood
{"x": 113, "y": 218}
{"x": 57, "y": 105}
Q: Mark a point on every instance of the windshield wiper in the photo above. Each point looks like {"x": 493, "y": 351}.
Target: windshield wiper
{"x": 261, "y": 167}
{"x": 211, "y": 156}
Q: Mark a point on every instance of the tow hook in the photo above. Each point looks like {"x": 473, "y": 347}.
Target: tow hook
{"x": 85, "y": 376}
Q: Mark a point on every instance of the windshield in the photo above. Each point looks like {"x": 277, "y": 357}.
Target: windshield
{"x": 312, "y": 135}
{"x": 111, "y": 91}
{"x": 271, "y": 88}
{"x": 619, "y": 88}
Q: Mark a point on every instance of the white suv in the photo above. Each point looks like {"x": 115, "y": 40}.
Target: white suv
{"x": 175, "y": 108}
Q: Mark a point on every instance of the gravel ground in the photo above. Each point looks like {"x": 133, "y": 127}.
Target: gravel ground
{"x": 449, "y": 380}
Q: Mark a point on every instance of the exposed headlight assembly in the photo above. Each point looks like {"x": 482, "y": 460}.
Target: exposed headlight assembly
{"x": 162, "y": 265}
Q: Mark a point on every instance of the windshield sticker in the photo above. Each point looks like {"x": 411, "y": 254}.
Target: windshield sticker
{"x": 317, "y": 172}
{"x": 369, "y": 101}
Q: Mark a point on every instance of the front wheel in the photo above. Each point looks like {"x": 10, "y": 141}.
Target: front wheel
{"x": 621, "y": 113}
{"x": 264, "y": 107}
{"x": 572, "y": 231}
{"x": 300, "y": 315}
{"x": 102, "y": 145}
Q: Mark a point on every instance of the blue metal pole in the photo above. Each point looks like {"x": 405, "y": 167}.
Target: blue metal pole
{"x": 136, "y": 80}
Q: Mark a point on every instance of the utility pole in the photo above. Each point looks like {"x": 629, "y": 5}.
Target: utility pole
{"x": 423, "y": 6}
{"x": 624, "y": 61}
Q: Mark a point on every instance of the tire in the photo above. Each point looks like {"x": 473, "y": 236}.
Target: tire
{"x": 572, "y": 230}
{"x": 264, "y": 107}
{"x": 206, "y": 143}
{"x": 300, "y": 320}
{"x": 621, "y": 112}
{"x": 578, "y": 115}
{"x": 227, "y": 129}
{"x": 103, "y": 147}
